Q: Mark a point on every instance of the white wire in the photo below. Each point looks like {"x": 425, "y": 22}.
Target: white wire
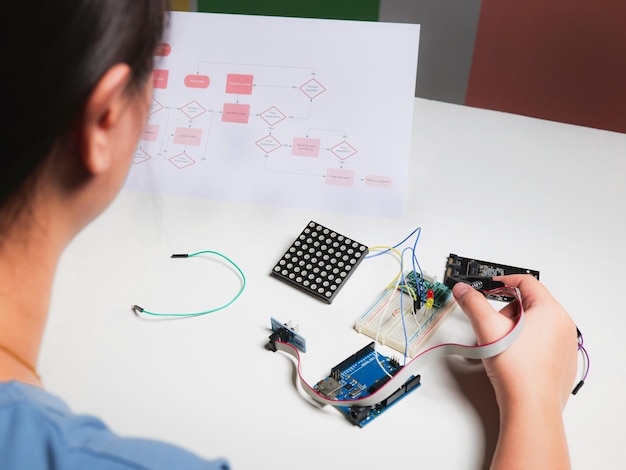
{"x": 380, "y": 322}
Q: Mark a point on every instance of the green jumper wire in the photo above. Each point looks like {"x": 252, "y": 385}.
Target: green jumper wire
{"x": 137, "y": 309}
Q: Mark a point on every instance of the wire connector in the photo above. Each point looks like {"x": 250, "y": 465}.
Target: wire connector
{"x": 180, "y": 255}
{"x": 285, "y": 333}
{"x": 585, "y": 360}
{"x": 281, "y": 334}
{"x": 136, "y": 309}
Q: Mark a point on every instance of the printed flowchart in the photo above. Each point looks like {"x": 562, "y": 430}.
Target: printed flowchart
{"x": 293, "y": 122}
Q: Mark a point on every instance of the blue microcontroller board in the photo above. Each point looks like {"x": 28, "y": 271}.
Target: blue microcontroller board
{"x": 361, "y": 375}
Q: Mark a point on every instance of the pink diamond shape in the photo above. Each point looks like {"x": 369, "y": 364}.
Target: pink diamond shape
{"x": 182, "y": 160}
{"x": 268, "y": 144}
{"x": 312, "y": 88}
{"x": 193, "y": 109}
{"x": 343, "y": 150}
{"x": 155, "y": 107}
{"x": 272, "y": 115}
{"x": 141, "y": 156}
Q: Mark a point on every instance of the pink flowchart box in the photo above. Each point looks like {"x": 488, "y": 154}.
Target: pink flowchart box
{"x": 163, "y": 50}
{"x": 150, "y": 133}
{"x": 197, "y": 81}
{"x": 187, "y": 136}
{"x": 235, "y": 112}
{"x": 340, "y": 177}
{"x": 379, "y": 181}
{"x": 239, "y": 84}
{"x": 305, "y": 147}
{"x": 160, "y": 77}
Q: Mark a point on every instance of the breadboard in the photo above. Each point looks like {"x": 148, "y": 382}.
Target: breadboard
{"x": 393, "y": 321}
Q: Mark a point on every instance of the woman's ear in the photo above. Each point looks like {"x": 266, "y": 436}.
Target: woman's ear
{"x": 101, "y": 117}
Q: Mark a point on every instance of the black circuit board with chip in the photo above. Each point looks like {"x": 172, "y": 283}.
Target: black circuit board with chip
{"x": 459, "y": 266}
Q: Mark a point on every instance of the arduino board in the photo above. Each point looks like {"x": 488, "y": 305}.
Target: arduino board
{"x": 361, "y": 375}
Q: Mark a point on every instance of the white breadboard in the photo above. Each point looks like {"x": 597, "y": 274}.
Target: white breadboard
{"x": 384, "y": 322}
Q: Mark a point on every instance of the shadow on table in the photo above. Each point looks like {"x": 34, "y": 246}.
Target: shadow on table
{"x": 476, "y": 387}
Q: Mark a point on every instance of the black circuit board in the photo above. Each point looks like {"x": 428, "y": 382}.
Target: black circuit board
{"x": 320, "y": 261}
{"x": 457, "y": 266}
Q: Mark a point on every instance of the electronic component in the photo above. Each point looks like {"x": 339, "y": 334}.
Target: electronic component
{"x": 397, "y": 320}
{"x": 430, "y": 298}
{"x": 467, "y": 268}
{"x": 361, "y": 375}
{"x": 320, "y": 261}
{"x": 481, "y": 284}
{"x": 368, "y": 383}
{"x": 285, "y": 333}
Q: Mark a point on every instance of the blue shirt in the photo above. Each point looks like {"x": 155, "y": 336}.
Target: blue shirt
{"x": 38, "y": 431}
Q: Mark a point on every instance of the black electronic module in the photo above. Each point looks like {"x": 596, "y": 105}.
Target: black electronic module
{"x": 458, "y": 266}
{"x": 320, "y": 261}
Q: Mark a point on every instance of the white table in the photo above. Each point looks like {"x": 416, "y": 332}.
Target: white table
{"x": 493, "y": 186}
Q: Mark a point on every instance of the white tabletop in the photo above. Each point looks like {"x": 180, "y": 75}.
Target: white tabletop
{"x": 483, "y": 184}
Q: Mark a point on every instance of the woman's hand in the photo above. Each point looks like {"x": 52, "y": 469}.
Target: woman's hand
{"x": 533, "y": 378}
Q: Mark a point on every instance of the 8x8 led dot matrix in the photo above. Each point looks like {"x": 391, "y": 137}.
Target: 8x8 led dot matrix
{"x": 320, "y": 261}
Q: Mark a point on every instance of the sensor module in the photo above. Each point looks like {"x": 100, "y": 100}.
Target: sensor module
{"x": 286, "y": 333}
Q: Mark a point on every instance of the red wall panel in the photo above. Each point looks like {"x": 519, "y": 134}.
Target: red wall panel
{"x": 562, "y": 60}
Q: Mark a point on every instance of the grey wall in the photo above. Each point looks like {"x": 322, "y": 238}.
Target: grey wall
{"x": 447, "y": 35}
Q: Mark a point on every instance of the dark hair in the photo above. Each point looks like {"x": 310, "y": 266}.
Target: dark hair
{"x": 53, "y": 54}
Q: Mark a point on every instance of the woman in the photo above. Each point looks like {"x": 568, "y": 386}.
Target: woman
{"x": 77, "y": 79}
{"x": 76, "y": 90}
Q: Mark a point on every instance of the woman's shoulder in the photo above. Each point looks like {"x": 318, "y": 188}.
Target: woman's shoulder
{"x": 38, "y": 430}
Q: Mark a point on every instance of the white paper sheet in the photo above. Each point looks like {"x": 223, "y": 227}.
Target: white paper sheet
{"x": 286, "y": 111}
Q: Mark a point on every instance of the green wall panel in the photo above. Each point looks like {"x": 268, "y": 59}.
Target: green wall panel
{"x": 332, "y": 9}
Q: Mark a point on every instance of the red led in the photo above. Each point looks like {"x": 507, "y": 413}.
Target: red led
{"x": 430, "y": 298}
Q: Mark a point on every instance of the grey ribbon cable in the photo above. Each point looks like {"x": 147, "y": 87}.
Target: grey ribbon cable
{"x": 412, "y": 368}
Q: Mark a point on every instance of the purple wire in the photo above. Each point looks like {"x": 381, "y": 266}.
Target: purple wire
{"x": 581, "y": 347}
